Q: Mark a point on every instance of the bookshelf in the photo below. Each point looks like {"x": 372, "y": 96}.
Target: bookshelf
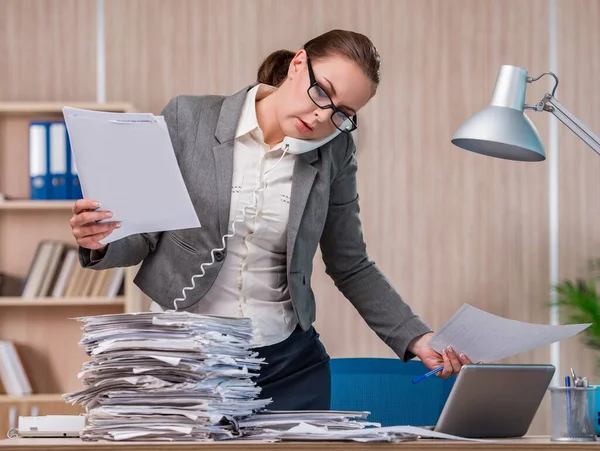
{"x": 16, "y": 301}
{"x": 38, "y": 205}
{"x": 31, "y": 398}
{"x": 44, "y": 329}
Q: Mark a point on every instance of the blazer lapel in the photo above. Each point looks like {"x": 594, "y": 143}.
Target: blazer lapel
{"x": 302, "y": 182}
{"x": 223, "y": 153}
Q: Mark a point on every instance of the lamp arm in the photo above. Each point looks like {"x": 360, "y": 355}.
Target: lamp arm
{"x": 550, "y": 104}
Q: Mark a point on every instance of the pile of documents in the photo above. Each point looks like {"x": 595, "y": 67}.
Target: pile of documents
{"x": 328, "y": 425}
{"x": 167, "y": 376}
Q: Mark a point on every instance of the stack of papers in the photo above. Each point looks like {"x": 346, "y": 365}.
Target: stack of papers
{"x": 328, "y": 425}
{"x": 275, "y": 425}
{"x": 167, "y": 376}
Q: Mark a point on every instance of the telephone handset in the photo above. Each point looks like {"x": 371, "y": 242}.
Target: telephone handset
{"x": 297, "y": 146}
{"x": 292, "y": 146}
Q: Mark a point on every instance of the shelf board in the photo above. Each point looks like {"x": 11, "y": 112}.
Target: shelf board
{"x": 56, "y": 107}
{"x": 49, "y": 397}
{"x": 36, "y": 204}
{"x": 67, "y": 301}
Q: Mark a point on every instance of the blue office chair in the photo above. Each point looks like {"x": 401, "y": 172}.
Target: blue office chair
{"x": 384, "y": 387}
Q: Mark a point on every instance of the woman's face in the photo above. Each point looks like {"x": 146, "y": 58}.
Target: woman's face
{"x": 342, "y": 80}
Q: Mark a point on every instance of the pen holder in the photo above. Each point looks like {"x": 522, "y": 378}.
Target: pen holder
{"x": 573, "y": 413}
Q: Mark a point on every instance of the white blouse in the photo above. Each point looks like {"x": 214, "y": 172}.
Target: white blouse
{"x": 253, "y": 279}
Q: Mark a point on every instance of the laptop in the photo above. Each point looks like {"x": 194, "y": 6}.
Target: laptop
{"x": 494, "y": 400}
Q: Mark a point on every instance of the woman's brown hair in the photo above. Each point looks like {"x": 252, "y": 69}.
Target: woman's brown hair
{"x": 354, "y": 46}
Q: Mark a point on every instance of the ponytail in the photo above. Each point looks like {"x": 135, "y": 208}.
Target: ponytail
{"x": 274, "y": 69}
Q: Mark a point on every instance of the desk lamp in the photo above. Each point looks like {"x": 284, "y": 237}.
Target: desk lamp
{"x": 502, "y": 129}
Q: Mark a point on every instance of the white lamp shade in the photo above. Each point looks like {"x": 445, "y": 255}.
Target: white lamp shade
{"x": 502, "y": 130}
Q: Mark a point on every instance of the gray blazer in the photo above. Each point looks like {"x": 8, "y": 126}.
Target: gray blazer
{"x": 324, "y": 210}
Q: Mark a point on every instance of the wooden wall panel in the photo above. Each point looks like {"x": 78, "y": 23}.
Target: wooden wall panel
{"x": 158, "y": 49}
{"x": 579, "y": 74}
{"x": 445, "y": 225}
{"x": 47, "y": 50}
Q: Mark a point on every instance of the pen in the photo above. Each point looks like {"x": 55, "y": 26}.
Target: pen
{"x": 568, "y": 394}
{"x": 426, "y": 375}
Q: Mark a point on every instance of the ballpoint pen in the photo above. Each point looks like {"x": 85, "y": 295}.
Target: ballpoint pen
{"x": 426, "y": 375}
{"x": 568, "y": 397}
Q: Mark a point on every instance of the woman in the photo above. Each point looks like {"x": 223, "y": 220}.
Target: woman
{"x": 272, "y": 174}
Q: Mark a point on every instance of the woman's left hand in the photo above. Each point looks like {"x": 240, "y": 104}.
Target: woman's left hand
{"x": 432, "y": 359}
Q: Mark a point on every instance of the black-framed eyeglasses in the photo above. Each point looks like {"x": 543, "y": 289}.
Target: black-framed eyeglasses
{"x": 319, "y": 96}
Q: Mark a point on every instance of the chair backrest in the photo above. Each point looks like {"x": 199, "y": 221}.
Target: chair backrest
{"x": 384, "y": 387}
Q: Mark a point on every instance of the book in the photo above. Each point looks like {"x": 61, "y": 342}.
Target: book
{"x": 13, "y": 376}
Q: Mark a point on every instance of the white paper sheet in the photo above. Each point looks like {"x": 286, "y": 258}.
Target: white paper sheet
{"x": 305, "y": 431}
{"x": 127, "y": 163}
{"x": 485, "y": 337}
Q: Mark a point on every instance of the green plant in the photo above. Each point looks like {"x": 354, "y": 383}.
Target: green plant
{"x": 581, "y": 302}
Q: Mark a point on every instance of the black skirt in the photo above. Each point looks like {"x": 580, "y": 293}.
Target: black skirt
{"x": 296, "y": 374}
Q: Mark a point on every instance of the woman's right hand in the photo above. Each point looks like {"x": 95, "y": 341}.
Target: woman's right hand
{"x": 85, "y": 226}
